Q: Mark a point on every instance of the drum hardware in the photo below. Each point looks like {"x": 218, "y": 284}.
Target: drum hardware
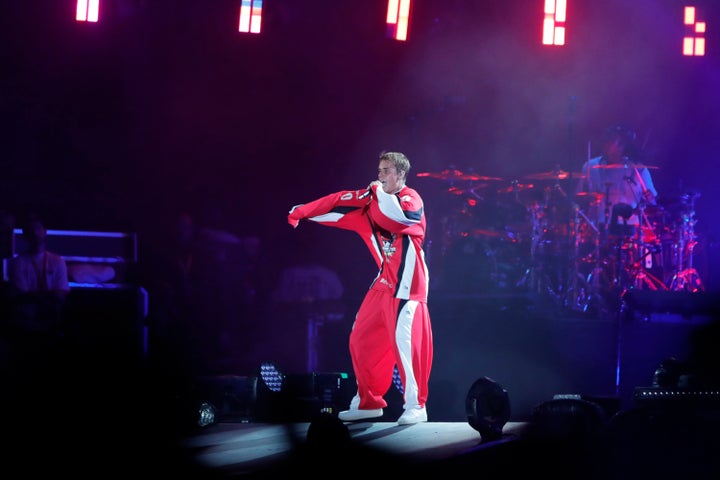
{"x": 529, "y": 278}
{"x": 521, "y": 194}
{"x": 515, "y": 188}
{"x": 639, "y": 248}
{"x": 619, "y": 256}
{"x": 628, "y": 260}
{"x": 640, "y": 254}
{"x": 543, "y": 274}
{"x": 641, "y": 278}
{"x": 616, "y": 232}
{"x": 687, "y": 278}
{"x": 638, "y": 166}
{"x": 556, "y": 224}
{"x": 578, "y": 295}
{"x": 606, "y": 218}
{"x": 465, "y": 191}
{"x": 618, "y": 228}
{"x": 615, "y": 265}
{"x": 557, "y": 174}
{"x": 594, "y": 197}
{"x": 549, "y": 235}
{"x": 455, "y": 174}
{"x": 482, "y": 241}
{"x": 598, "y": 275}
{"x": 588, "y": 221}
{"x": 470, "y": 191}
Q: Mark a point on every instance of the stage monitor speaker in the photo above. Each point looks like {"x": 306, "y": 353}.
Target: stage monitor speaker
{"x": 233, "y": 397}
{"x": 677, "y": 397}
{"x": 569, "y": 417}
{"x": 487, "y": 405}
{"x": 302, "y": 397}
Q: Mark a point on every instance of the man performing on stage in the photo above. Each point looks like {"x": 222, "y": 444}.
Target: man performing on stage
{"x": 392, "y": 326}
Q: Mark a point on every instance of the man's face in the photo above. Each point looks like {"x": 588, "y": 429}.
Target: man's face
{"x": 36, "y": 234}
{"x": 389, "y": 176}
{"x": 613, "y": 149}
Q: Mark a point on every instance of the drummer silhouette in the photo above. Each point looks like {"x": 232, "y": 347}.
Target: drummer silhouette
{"x": 624, "y": 184}
{"x": 624, "y": 188}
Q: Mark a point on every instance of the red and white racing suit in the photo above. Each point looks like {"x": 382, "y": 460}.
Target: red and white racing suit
{"x": 392, "y": 326}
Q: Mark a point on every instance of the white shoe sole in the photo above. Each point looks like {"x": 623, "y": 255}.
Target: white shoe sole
{"x": 354, "y": 415}
{"x": 410, "y": 417}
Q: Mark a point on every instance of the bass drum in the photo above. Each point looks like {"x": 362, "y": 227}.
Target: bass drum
{"x": 659, "y": 243}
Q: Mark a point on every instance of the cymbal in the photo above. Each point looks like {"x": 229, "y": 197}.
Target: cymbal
{"x": 624, "y": 165}
{"x": 516, "y": 187}
{"x": 481, "y": 232}
{"x": 471, "y": 191}
{"x": 591, "y": 196}
{"x": 455, "y": 174}
{"x": 554, "y": 175}
{"x": 463, "y": 191}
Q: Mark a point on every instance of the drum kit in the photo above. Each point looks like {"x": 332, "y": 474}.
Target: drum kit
{"x": 530, "y": 234}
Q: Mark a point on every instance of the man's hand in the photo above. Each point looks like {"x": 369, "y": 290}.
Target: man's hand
{"x": 648, "y": 196}
{"x": 293, "y": 219}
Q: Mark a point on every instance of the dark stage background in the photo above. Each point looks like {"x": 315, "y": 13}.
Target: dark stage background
{"x": 163, "y": 107}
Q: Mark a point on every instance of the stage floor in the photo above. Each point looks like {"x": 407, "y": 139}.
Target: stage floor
{"x": 253, "y": 448}
{"x": 646, "y": 443}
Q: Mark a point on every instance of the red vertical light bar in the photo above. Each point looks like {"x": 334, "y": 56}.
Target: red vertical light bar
{"x": 250, "y": 16}
{"x": 87, "y": 10}
{"x": 553, "y": 25}
{"x": 403, "y": 20}
{"x": 392, "y": 12}
{"x": 81, "y": 11}
{"x": 693, "y": 44}
{"x": 398, "y": 19}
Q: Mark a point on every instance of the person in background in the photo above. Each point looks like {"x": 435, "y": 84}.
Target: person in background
{"x": 34, "y": 330}
{"x": 392, "y": 326}
{"x": 622, "y": 183}
{"x": 38, "y": 283}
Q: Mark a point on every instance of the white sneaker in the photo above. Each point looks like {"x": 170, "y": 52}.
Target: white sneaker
{"x": 413, "y": 415}
{"x": 355, "y": 414}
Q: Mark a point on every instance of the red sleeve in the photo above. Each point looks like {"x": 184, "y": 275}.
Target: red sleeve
{"x": 346, "y": 209}
{"x": 332, "y": 209}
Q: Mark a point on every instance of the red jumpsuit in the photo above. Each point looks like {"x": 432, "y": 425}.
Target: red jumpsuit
{"x": 392, "y": 326}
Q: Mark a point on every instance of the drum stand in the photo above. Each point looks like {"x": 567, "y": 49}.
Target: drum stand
{"x": 531, "y": 278}
{"x": 601, "y": 284}
{"x": 640, "y": 277}
{"x": 687, "y": 279}
{"x": 540, "y": 273}
{"x": 591, "y": 292}
{"x": 581, "y": 291}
